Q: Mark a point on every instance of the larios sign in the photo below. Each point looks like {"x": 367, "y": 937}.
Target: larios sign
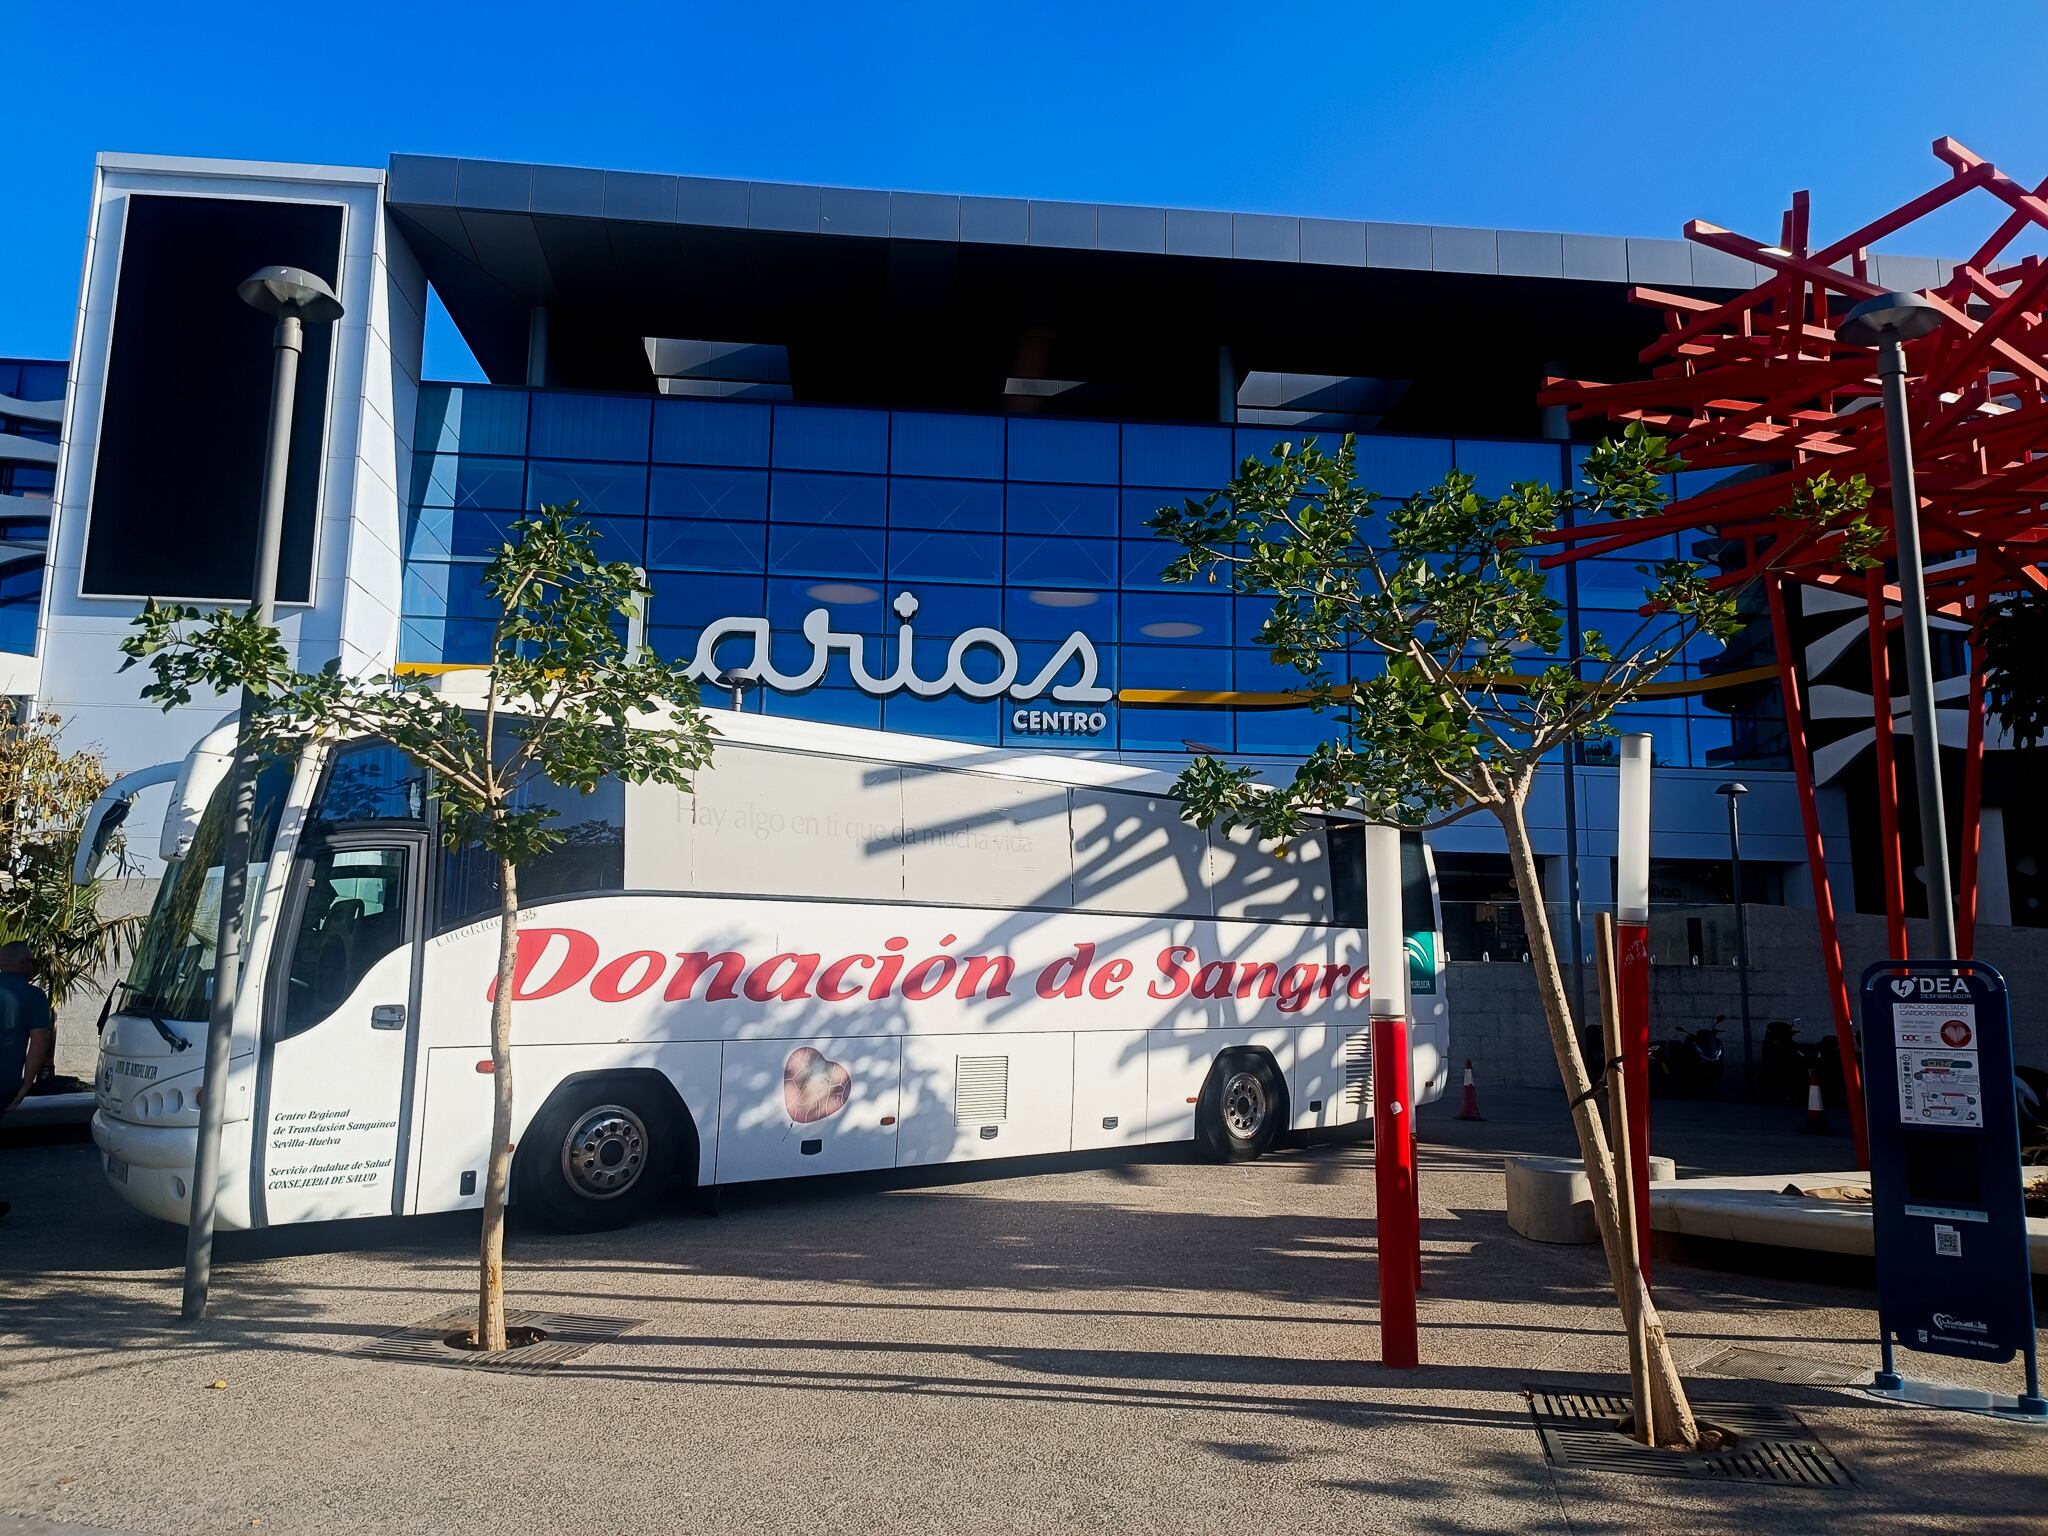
{"x": 998, "y": 662}
{"x": 552, "y": 962}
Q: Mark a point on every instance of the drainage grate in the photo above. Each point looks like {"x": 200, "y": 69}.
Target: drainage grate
{"x": 1765, "y": 1365}
{"x": 1771, "y": 1446}
{"x": 567, "y": 1337}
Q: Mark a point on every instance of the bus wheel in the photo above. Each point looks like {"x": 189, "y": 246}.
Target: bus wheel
{"x": 1242, "y": 1106}
{"x": 597, "y": 1156}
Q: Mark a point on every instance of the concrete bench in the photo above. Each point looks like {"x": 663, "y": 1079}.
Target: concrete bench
{"x": 1550, "y": 1200}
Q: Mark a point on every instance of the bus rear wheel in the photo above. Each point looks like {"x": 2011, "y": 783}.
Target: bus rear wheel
{"x": 597, "y": 1156}
{"x": 1242, "y": 1106}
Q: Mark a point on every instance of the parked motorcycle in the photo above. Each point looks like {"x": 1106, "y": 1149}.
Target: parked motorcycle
{"x": 1784, "y": 1064}
{"x": 1689, "y": 1067}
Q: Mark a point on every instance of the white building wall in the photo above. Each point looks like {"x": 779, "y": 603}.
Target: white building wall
{"x": 373, "y": 387}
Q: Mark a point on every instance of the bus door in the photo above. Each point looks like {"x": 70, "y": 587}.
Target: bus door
{"x": 340, "y": 1019}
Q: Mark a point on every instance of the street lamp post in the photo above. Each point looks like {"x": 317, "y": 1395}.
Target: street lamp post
{"x": 1887, "y": 322}
{"x": 1734, "y": 793}
{"x": 297, "y": 299}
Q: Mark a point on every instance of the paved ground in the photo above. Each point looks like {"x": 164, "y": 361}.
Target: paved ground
{"x": 1141, "y": 1345}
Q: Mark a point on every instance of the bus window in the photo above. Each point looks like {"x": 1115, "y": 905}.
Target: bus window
{"x": 353, "y": 916}
{"x": 1262, "y": 882}
{"x": 787, "y": 824}
{"x": 172, "y": 976}
{"x": 371, "y": 781}
{"x": 975, "y": 840}
{"x": 591, "y": 857}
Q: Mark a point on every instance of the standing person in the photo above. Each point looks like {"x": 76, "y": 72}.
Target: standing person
{"x": 26, "y": 1035}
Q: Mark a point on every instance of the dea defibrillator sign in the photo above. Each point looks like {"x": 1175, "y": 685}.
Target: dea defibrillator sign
{"x": 1953, "y": 1276}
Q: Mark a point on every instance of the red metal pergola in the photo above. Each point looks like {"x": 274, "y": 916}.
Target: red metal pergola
{"x": 1759, "y": 383}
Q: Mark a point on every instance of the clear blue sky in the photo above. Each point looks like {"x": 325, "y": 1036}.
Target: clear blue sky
{"x": 1606, "y": 118}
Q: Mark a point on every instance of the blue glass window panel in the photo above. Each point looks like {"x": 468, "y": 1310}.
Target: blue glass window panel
{"x": 1176, "y": 617}
{"x": 1144, "y": 729}
{"x": 1710, "y": 739}
{"x": 1176, "y": 455}
{"x": 965, "y": 557}
{"x": 1249, "y": 614}
{"x": 1666, "y": 730}
{"x": 931, "y": 653}
{"x": 444, "y": 533}
{"x": 954, "y": 506}
{"x": 1144, "y": 563}
{"x": 674, "y": 643}
{"x": 1262, "y": 442}
{"x": 857, "y": 607}
{"x": 434, "y": 590}
{"x": 852, "y": 553}
{"x": 829, "y": 437}
{"x": 1496, "y": 465}
{"x": 951, "y": 718}
{"x": 829, "y": 706}
{"x": 466, "y": 480}
{"x": 705, "y": 545}
{"x": 469, "y": 419}
{"x": 21, "y": 596}
{"x": 1612, "y": 583}
{"x": 1034, "y": 656}
{"x": 792, "y": 654}
{"x": 613, "y": 490}
{"x": 589, "y": 426}
{"x": 1140, "y": 507}
{"x": 710, "y": 432}
{"x": 444, "y": 640}
{"x": 1172, "y": 666}
{"x": 858, "y": 500}
{"x": 966, "y": 447}
{"x": 1040, "y": 613}
{"x": 943, "y": 610}
{"x": 731, "y": 495}
{"x": 697, "y": 600}
{"x": 1050, "y": 741}
{"x": 1286, "y": 732}
{"x": 1079, "y": 451}
{"x": 620, "y": 538}
{"x": 1258, "y": 671}
{"x": 1069, "y": 509}
{"x": 1400, "y": 466}
{"x": 1061, "y": 562}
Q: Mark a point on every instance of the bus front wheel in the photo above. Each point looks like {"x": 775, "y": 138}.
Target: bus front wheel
{"x": 597, "y": 1155}
{"x": 1242, "y": 1106}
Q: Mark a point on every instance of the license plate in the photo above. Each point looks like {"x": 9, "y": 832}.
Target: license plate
{"x": 117, "y": 1170}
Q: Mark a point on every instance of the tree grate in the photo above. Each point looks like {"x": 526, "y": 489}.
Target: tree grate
{"x": 426, "y": 1343}
{"x": 1772, "y": 1446}
{"x": 1768, "y": 1365}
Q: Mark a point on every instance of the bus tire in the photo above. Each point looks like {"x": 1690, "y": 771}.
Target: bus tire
{"x": 1242, "y": 1108}
{"x": 600, "y": 1152}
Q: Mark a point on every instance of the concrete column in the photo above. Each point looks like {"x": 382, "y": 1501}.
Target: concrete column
{"x": 1226, "y": 385}
{"x": 536, "y": 347}
{"x": 1994, "y": 893}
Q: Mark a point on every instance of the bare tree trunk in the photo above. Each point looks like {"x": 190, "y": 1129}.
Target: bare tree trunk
{"x": 490, "y": 1298}
{"x": 1672, "y": 1414}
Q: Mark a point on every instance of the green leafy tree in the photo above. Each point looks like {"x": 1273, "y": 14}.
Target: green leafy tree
{"x": 564, "y": 702}
{"x": 45, "y": 791}
{"x": 1478, "y": 682}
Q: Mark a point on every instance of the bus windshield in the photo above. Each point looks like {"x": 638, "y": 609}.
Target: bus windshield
{"x": 172, "y": 977}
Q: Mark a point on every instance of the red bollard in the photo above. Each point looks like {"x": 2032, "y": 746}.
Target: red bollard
{"x": 1393, "y": 1159}
{"x": 1632, "y": 984}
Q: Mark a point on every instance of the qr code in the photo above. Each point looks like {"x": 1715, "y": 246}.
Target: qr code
{"x": 1948, "y": 1242}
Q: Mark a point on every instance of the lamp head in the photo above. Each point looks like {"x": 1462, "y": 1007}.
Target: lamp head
{"x": 1731, "y": 790}
{"x": 281, "y": 291}
{"x": 1888, "y": 317}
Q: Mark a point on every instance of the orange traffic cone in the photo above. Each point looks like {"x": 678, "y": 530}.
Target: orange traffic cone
{"x": 1468, "y": 1108}
{"x": 1816, "y": 1111}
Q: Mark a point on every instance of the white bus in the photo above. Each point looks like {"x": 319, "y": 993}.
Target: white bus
{"x": 843, "y": 949}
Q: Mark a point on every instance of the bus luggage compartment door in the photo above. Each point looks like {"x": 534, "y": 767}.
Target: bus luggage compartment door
{"x": 791, "y": 1107}
{"x": 967, "y": 1097}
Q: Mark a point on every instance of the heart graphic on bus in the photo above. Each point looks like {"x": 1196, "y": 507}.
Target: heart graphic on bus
{"x": 814, "y": 1087}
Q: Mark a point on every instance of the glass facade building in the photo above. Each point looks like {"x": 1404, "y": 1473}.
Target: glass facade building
{"x": 1030, "y": 524}
{"x": 31, "y": 398}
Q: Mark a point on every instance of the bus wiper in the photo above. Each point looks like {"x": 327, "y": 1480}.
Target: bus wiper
{"x": 176, "y": 1041}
